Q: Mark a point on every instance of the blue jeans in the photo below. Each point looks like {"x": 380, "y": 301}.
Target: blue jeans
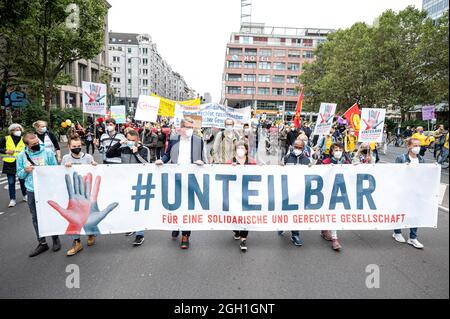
{"x": 412, "y": 232}
{"x": 12, "y": 186}
{"x": 444, "y": 155}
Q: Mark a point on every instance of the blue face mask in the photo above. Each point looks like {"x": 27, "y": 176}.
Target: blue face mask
{"x": 43, "y": 130}
{"x": 130, "y": 144}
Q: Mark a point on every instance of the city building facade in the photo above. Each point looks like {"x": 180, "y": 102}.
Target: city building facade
{"x": 263, "y": 64}
{"x": 138, "y": 68}
{"x": 435, "y": 8}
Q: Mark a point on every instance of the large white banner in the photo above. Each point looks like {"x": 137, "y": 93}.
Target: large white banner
{"x": 325, "y": 119}
{"x": 122, "y": 198}
{"x": 214, "y": 115}
{"x": 372, "y": 125}
{"x": 94, "y": 98}
{"x": 147, "y": 108}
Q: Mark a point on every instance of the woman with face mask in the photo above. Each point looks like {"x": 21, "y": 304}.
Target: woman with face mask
{"x": 413, "y": 157}
{"x": 77, "y": 157}
{"x": 241, "y": 158}
{"x": 337, "y": 156}
{"x": 47, "y": 138}
{"x": 10, "y": 146}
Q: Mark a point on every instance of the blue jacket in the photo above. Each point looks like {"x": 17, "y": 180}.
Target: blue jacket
{"x": 40, "y": 158}
{"x": 404, "y": 158}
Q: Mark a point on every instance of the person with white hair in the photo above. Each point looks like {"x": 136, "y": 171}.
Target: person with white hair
{"x": 10, "y": 146}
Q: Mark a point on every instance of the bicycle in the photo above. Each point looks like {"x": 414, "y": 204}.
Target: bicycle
{"x": 445, "y": 163}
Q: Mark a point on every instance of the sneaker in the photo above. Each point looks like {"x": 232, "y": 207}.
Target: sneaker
{"x": 335, "y": 245}
{"x": 280, "y": 232}
{"x": 39, "y": 249}
{"x": 12, "y": 203}
{"x": 76, "y": 247}
{"x": 296, "y": 240}
{"x": 326, "y": 234}
{"x": 184, "y": 242}
{"x": 56, "y": 244}
{"x": 129, "y": 233}
{"x": 399, "y": 238}
{"x": 91, "y": 240}
{"x": 415, "y": 243}
{"x": 175, "y": 234}
{"x": 236, "y": 236}
{"x": 25, "y": 198}
{"x": 243, "y": 245}
{"x": 138, "y": 240}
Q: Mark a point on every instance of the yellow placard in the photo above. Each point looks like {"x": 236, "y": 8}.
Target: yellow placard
{"x": 167, "y": 107}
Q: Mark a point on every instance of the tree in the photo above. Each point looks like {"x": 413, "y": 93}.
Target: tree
{"x": 56, "y": 34}
{"x": 400, "y": 61}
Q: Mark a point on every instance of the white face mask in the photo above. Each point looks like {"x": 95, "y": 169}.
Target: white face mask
{"x": 337, "y": 155}
{"x": 415, "y": 150}
{"x": 110, "y": 128}
{"x": 229, "y": 128}
{"x": 240, "y": 153}
{"x": 247, "y": 131}
{"x": 298, "y": 152}
{"x": 189, "y": 132}
{"x": 17, "y": 133}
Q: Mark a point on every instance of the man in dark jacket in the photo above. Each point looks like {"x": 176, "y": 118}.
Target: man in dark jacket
{"x": 292, "y": 135}
{"x": 150, "y": 141}
{"x": 185, "y": 148}
{"x": 296, "y": 157}
{"x": 131, "y": 151}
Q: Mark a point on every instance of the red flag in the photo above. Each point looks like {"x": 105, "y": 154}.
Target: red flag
{"x": 352, "y": 116}
{"x": 298, "y": 110}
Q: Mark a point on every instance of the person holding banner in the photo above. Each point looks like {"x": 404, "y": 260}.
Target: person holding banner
{"x": 413, "y": 157}
{"x": 35, "y": 155}
{"x": 241, "y": 158}
{"x": 350, "y": 140}
{"x": 325, "y": 143}
{"x": 184, "y": 148}
{"x": 296, "y": 157}
{"x": 337, "y": 156}
{"x": 77, "y": 157}
{"x": 109, "y": 139}
{"x": 131, "y": 151}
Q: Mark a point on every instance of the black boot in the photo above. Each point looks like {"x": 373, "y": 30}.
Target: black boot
{"x": 56, "y": 243}
{"x": 39, "y": 249}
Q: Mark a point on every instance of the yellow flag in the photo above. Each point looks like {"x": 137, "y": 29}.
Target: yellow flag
{"x": 167, "y": 107}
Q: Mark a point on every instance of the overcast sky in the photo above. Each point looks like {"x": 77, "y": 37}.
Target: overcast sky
{"x": 191, "y": 35}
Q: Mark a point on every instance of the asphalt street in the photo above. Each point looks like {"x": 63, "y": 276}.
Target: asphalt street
{"x": 214, "y": 267}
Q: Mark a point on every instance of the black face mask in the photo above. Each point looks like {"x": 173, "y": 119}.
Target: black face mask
{"x": 35, "y": 147}
{"x": 76, "y": 150}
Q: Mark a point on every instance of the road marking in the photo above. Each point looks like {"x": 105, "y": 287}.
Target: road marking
{"x": 1, "y": 213}
{"x": 3, "y": 182}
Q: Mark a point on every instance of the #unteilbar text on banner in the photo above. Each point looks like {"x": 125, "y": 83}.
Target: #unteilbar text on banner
{"x": 123, "y": 198}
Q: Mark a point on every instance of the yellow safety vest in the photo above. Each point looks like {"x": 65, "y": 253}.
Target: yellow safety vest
{"x": 10, "y": 146}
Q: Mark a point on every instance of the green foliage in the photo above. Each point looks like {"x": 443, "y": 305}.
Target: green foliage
{"x": 31, "y": 114}
{"x": 399, "y": 62}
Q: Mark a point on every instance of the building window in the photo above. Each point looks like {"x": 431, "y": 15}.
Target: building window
{"x": 265, "y": 78}
{"x": 234, "y": 64}
{"x": 296, "y": 42}
{"x": 144, "y": 82}
{"x": 145, "y": 71}
{"x": 249, "y": 77}
{"x": 129, "y": 81}
{"x": 234, "y": 77}
{"x": 291, "y": 92}
{"x": 264, "y": 65}
{"x": 144, "y": 51}
{"x": 292, "y": 79}
{"x": 249, "y": 90}
{"x": 278, "y": 79}
{"x": 308, "y": 54}
{"x": 250, "y": 51}
{"x": 279, "y": 66}
{"x": 294, "y": 54}
{"x": 249, "y": 65}
{"x": 246, "y": 40}
{"x": 264, "y": 91}
{"x": 233, "y": 90}
{"x": 234, "y": 51}
{"x": 265, "y": 52}
{"x": 116, "y": 59}
{"x": 280, "y": 53}
{"x": 129, "y": 60}
{"x": 144, "y": 61}
{"x": 293, "y": 66}
{"x": 277, "y": 91}
{"x": 129, "y": 50}
{"x": 129, "y": 71}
